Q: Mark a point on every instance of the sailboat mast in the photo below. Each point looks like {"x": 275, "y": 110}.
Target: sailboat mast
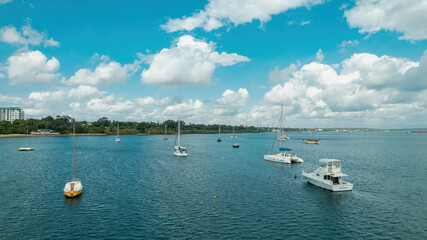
{"x": 28, "y": 141}
{"x": 219, "y": 132}
{"x": 74, "y": 151}
{"x": 165, "y": 129}
{"x": 117, "y": 129}
{"x": 281, "y": 121}
{"x": 179, "y": 132}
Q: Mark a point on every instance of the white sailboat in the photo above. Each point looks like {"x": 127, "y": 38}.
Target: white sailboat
{"x": 233, "y": 136}
{"x": 283, "y": 136}
{"x": 118, "y": 136}
{"x": 73, "y": 188}
{"x": 28, "y": 148}
{"x": 165, "y": 137}
{"x": 219, "y": 134}
{"x": 180, "y": 151}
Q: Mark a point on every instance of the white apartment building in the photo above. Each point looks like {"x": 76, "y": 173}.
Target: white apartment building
{"x": 11, "y": 114}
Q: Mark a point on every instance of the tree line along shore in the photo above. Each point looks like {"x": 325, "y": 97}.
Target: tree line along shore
{"x": 62, "y": 125}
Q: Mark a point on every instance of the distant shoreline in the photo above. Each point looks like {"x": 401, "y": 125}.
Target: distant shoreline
{"x": 64, "y": 135}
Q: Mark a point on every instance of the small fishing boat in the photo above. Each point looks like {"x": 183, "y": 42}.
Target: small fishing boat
{"x": 28, "y": 148}
{"x": 180, "y": 151}
{"x": 328, "y": 176}
{"x": 73, "y": 188}
{"x": 118, "y": 136}
{"x": 236, "y": 145}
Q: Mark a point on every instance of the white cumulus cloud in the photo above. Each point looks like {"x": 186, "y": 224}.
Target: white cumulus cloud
{"x": 231, "y": 102}
{"x": 32, "y": 67}
{"x": 107, "y": 73}
{"x": 190, "y": 62}
{"x": 404, "y": 16}
{"x": 367, "y": 87}
{"x": 218, "y": 13}
{"x": 27, "y": 36}
{"x": 83, "y": 91}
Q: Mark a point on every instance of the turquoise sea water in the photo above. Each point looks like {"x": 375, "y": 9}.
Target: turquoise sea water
{"x": 136, "y": 188}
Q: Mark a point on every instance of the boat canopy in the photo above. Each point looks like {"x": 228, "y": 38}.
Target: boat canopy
{"x": 325, "y": 160}
{"x": 338, "y": 174}
{"x": 285, "y": 149}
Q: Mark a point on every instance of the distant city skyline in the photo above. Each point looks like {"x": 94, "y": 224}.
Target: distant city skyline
{"x": 332, "y": 63}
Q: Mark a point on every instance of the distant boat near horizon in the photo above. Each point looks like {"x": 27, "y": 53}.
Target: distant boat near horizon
{"x": 312, "y": 140}
{"x": 73, "y": 188}
{"x": 118, "y": 135}
{"x": 165, "y": 137}
{"x": 233, "y": 136}
{"x": 28, "y": 148}
{"x": 219, "y": 133}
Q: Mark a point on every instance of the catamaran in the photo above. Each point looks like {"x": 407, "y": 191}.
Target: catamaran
{"x": 165, "y": 137}
{"x": 28, "y": 148}
{"x": 118, "y": 136}
{"x": 328, "y": 176}
{"x": 180, "y": 151}
{"x": 73, "y": 188}
{"x": 284, "y": 155}
{"x": 219, "y": 133}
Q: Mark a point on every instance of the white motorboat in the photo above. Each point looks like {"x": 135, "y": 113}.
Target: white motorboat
{"x": 180, "y": 151}
{"x": 328, "y": 176}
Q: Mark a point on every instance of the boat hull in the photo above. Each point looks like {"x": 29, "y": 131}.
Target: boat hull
{"x": 26, "y": 149}
{"x": 73, "y": 194}
{"x": 73, "y": 189}
{"x": 296, "y": 160}
{"x": 326, "y": 184}
{"x": 180, "y": 154}
{"x": 311, "y": 141}
{"x": 277, "y": 158}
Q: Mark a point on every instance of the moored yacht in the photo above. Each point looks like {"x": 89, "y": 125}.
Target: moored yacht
{"x": 292, "y": 156}
{"x": 328, "y": 176}
{"x": 180, "y": 151}
{"x": 73, "y": 188}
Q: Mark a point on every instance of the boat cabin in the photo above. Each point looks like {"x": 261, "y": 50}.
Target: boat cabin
{"x": 333, "y": 170}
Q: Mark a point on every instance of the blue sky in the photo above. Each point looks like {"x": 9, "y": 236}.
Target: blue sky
{"x": 330, "y": 63}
